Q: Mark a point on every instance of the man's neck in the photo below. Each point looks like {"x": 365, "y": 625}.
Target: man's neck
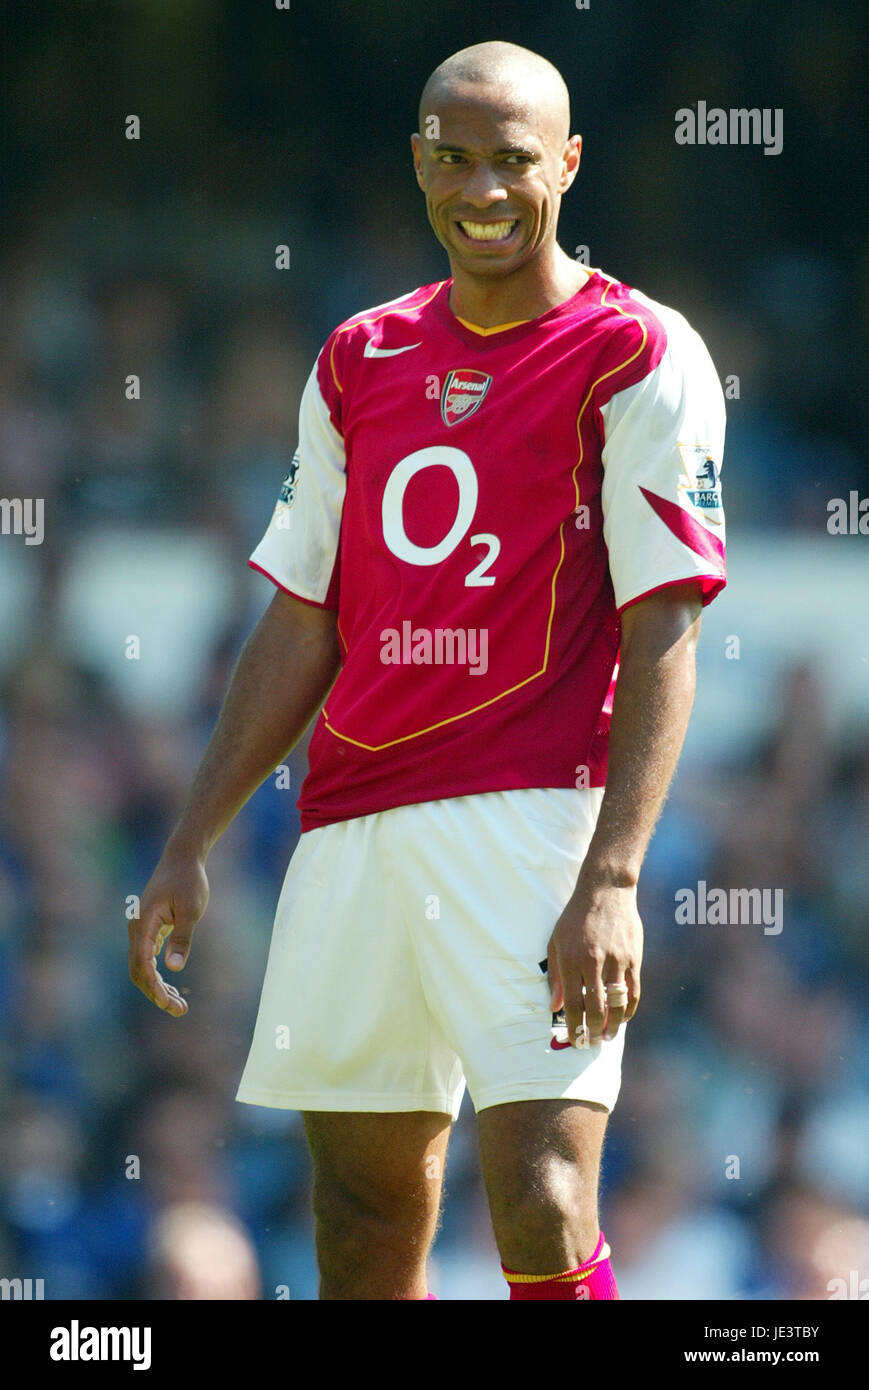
{"x": 528, "y": 293}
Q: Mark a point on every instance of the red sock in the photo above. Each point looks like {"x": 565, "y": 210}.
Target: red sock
{"x": 593, "y": 1280}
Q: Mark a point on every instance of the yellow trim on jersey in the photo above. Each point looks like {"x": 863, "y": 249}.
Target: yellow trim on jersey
{"x": 405, "y": 738}
{"x": 451, "y": 719}
{"x": 391, "y": 308}
{"x": 603, "y": 378}
{"x": 498, "y": 328}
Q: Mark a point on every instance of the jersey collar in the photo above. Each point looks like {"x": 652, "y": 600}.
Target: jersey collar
{"x": 498, "y": 333}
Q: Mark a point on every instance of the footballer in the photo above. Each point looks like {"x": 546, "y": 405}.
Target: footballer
{"x": 490, "y": 556}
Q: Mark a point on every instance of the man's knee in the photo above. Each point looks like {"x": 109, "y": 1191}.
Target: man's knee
{"x": 557, "y": 1197}
{"x": 542, "y": 1161}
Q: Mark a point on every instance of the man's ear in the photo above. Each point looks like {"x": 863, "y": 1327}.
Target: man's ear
{"x": 416, "y": 146}
{"x": 572, "y": 156}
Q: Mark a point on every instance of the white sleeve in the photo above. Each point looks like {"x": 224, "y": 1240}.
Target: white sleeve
{"x": 663, "y": 520}
{"x": 300, "y": 546}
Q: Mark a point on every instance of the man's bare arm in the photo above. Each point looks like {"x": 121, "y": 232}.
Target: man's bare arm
{"x": 599, "y": 936}
{"x": 652, "y": 705}
{"x": 284, "y": 673}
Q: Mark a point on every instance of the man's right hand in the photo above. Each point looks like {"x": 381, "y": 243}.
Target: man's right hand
{"x": 284, "y": 673}
{"x": 174, "y": 899}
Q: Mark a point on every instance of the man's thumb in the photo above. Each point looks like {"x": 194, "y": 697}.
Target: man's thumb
{"x": 556, "y": 995}
{"x": 178, "y": 947}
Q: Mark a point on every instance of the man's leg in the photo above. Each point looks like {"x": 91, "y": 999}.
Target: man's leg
{"x": 541, "y": 1164}
{"x": 377, "y": 1187}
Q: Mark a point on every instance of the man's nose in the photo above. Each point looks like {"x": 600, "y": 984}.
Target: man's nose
{"x": 483, "y": 185}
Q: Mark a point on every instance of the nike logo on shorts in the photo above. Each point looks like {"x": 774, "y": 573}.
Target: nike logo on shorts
{"x": 557, "y": 1019}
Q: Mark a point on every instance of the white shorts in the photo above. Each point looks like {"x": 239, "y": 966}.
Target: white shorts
{"x": 406, "y": 960}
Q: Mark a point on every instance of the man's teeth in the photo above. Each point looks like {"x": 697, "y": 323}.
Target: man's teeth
{"x": 488, "y": 231}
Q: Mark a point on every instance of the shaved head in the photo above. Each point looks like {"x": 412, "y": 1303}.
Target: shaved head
{"x": 520, "y": 80}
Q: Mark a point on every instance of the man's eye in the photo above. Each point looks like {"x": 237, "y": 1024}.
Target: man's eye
{"x": 451, "y": 158}
{"x": 518, "y": 159}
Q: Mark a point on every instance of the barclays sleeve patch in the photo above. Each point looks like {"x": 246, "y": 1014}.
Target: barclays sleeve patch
{"x": 700, "y": 483}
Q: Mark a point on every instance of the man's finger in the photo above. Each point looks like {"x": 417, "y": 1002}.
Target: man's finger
{"x": 166, "y": 995}
{"x": 553, "y": 974}
{"x": 614, "y": 1020}
{"x": 632, "y": 980}
{"x": 149, "y": 980}
{"x": 617, "y": 996}
{"x": 595, "y": 1001}
{"x": 146, "y": 938}
{"x": 575, "y": 1007}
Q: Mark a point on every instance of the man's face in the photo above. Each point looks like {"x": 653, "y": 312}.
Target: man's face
{"x": 493, "y": 176}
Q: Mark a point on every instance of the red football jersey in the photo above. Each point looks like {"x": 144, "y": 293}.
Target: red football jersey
{"x": 480, "y": 506}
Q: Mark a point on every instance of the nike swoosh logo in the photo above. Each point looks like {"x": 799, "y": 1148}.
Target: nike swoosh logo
{"x": 558, "y": 1046}
{"x": 370, "y": 351}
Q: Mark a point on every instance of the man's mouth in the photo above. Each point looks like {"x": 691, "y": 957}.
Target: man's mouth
{"x": 488, "y": 231}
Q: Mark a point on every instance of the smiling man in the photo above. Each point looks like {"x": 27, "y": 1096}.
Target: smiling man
{"x": 523, "y": 457}
{"x": 494, "y": 168}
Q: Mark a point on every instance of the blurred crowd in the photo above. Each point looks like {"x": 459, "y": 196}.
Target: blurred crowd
{"x": 735, "y": 1166}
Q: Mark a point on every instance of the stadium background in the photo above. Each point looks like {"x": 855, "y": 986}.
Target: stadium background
{"x": 156, "y": 257}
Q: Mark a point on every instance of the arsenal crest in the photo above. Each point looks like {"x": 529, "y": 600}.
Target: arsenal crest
{"x": 463, "y": 393}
